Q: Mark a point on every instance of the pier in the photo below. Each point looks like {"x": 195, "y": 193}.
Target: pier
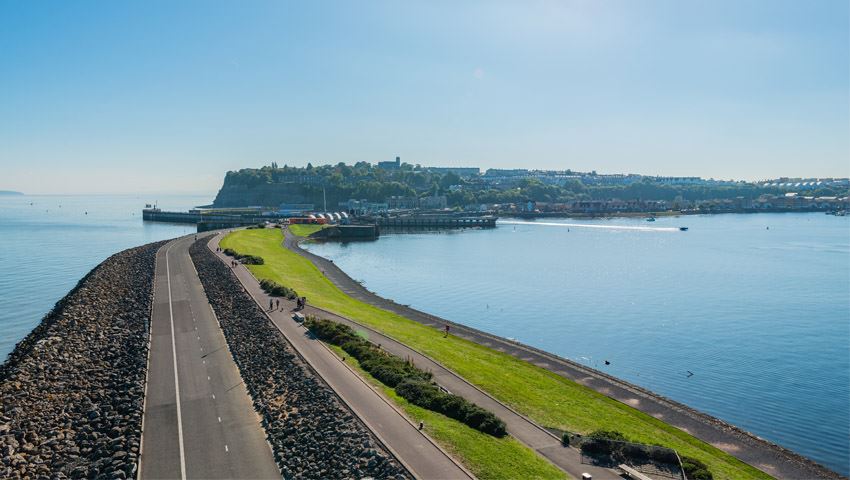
{"x": 435, "y": 222}
{"x": 205, "y": 221}
{"x": 215, "y": 220}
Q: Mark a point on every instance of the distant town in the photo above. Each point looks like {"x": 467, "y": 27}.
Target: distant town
{"x": 392, "y": 187}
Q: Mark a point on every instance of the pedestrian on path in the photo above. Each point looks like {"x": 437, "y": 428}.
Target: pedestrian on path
{"x": 447, "y": 331}
{"x": 278, "y": 303}
{"x": 271, "y": 304}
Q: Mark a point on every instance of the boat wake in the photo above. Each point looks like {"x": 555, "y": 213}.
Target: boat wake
{"x": 584, "y": 225}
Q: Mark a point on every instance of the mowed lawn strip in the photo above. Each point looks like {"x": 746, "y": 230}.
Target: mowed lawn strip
{"x": 305, "y": 230}
{"x": 543, "y": 396}
{"x": 487, "y": 457}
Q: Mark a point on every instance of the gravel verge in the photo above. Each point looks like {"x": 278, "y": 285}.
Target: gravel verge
{"x": 72, "y": 391}
{"x": 312, "y": 434}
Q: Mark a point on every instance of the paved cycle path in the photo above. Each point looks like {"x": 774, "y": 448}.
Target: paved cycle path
{"x": 416, "y": 451}
{"x": 199, "y": 421}
{"x": 762, "y": 454}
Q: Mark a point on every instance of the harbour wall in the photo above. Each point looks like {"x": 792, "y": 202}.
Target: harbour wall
{"x": 73, "y": 389}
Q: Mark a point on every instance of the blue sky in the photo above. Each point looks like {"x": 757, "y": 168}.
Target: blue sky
{"x": 167, "y": 96}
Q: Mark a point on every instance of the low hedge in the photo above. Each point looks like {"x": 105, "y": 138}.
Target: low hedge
{"x": 246, "y": 259}
{"x": 615, "y": 444}
{"x": 428, "y": 395}
{"x": 390, "y": 370}
{"x": 695, "y": 469}
{"x": 409, "y": 382}
{"x": 277, "y": 290}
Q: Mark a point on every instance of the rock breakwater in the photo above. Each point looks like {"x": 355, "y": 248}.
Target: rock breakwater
{"x": 312, "y": 434}
{"x": 72, "y": 391}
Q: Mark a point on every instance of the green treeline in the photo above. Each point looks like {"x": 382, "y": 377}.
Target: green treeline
{"x": 271, "y": 185}
{"x": 409, "y": 382}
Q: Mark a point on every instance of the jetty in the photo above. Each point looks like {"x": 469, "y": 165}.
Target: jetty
{"x": 206, "y": 221}
{"x": 434, "y": 221}
{"x": 361, "y": 227}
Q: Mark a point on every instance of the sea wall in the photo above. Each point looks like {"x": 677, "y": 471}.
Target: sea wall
{"x": 311, "y": 432}
{"x": 72, "y": 391}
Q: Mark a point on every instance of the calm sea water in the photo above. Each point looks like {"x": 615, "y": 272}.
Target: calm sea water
{"x": 756, "y": 306}
{"x": 47, "y": 243}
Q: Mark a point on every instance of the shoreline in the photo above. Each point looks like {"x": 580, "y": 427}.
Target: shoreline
{"x": 660, "y": 214}
{"x": 744, "y": 445}
{"x": 73, "y": 388}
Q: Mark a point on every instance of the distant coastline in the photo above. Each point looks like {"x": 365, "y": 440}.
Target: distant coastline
{"x": 9, "y": 193}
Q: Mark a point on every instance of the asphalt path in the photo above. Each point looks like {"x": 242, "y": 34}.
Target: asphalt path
{"x": 199, "y": 421}
{"x": 766, "y": 456}
{"x": 520, "y": 427}
{"x": 419, "y": 454}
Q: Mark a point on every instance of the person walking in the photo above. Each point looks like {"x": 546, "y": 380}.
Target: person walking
{"x": 271, "y": 304}
{"x": 277, "y": 302}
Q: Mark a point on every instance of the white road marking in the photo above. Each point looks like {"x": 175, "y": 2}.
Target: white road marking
{"x": 176, "y": 380}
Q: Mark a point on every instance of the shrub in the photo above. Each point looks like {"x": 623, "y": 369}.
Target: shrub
{"x": 603, "y": 442}
{"x": 427, "y": 395}
{"x": 276, "y": 290}
{"x": 409, "y": 382}
{"x": 607, "y": 435}
{"x": 695, "y": 469}
{"x": 246, "y": 259}
{"x": 565, "y": 439}
{"x": 597, "y": 446}
{"x": 252, "y": 260}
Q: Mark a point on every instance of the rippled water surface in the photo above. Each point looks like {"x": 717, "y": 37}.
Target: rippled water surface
{"x": 47, "y": 243}
{"x": 757, "y": 307}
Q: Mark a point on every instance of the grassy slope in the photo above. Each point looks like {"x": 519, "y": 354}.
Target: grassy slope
{"x": 485, "y": 456}
{"x": 303, "y": 230}
{"x": 545, "y": 397}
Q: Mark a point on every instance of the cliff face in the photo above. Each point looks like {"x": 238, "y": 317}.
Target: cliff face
{"x": 265, "y": 195}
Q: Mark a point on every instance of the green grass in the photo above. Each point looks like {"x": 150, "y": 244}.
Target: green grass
{"x": 303, "y": 230}
{"x": 487, "y": 457}
{"x": 545, "y": 397}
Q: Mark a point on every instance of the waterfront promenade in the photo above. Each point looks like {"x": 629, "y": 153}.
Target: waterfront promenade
{"x": 416, "y": 451}
{"x": 518, "y": 426}
{"x": 199, "y": 421}
{"x": 764, "y": 455}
